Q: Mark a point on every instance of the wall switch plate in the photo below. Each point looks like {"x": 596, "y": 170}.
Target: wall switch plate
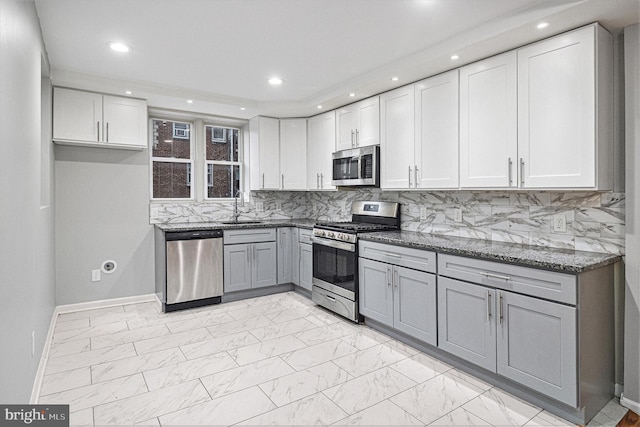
{"x": 279, "y": 205}
{"x": 95, "y": 275}
{"x": 457, "y": 215}
{"x": 560, "y": 223}
{"x": 259, "y": 207}
{"x": 423, "y": 213}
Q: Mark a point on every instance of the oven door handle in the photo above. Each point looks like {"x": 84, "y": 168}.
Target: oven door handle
{"x": 350, "y": 247}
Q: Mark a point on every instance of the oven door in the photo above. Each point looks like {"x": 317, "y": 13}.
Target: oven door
{"x": 334, "y": 267}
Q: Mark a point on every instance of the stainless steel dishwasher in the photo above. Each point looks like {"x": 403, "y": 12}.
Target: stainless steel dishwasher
{"x": 194, "y": 267}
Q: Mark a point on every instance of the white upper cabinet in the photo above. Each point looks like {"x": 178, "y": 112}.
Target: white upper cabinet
{"x": 293, "y": 153}
{"x": 93, "y": 119}
{"x": 397, "y": 138}
{"x": 321, "y": 143}
{"x": 358, "y": 125}
{"x": 564, "y": 111}
{"x": 436, "y": 131}
{"x": 264, "y": 142}
{"x": 488, "y": 123}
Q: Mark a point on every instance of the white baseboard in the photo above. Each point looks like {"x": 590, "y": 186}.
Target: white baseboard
{"x": 69, "y": 308}
{"x": 618, "y": 389}
{"x": 630, "y": 404}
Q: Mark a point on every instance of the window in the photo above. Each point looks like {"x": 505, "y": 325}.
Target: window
{"x": 223, "y": 163}
{"x": 171, "y": 159}
{"x": 180, "y": 131}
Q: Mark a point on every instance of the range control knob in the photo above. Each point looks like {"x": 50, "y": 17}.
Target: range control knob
{"x": 330, "y": 234}
{"x": 319, "y": 233}
{"x": 341, "y": 236}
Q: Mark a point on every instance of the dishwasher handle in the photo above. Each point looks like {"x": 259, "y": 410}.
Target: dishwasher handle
{"x": 193, "y": 235}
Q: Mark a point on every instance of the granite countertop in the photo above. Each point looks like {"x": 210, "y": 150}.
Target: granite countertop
{"x": 563, "y": 260}
{"x": 266, "y": 223}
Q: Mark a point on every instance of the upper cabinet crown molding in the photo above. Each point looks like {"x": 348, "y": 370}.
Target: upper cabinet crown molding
{"x": 93, "y": 119}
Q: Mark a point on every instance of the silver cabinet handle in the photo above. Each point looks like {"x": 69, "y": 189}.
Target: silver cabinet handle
{"x": 262, "y": 180}
{"x": 415, "y": 173}
{"x": 283, "y": 181}
{"x": 357, "y": 138}
{"x": 500, "y": 308}
{"x": 521, "y": 171}
{"x": 107, "y": 131}
{"x": 389, "y": 276}
{"x": 495, "y": 276}
{"x": 98, "y": 128}
{"x": 353, "y": 144}
{"x": 330, "y": 298}
{"x": 488, "y": 305}
{"x": 321, "y": 181}
{"x": 317, "y": 181}
{"x": 248, "y": 254}
{"x": 409, "y": 176}
{"x": 391, "y": 255}
{"x": 395, "y": 278}
{"x": 510, "y": 172}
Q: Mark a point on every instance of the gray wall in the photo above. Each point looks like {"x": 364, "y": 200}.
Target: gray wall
{"x": 26, "y": 212}
{"x": 102, "y": 213}
{"x": 632, "y": 275}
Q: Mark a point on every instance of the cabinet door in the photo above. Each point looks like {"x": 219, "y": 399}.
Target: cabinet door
{"x": 488, "y": 122}
{"x": 237, "y": 267}
{"x": 264, "y": 154}
{"x": 414, "y": 304}
{"x": 320, "y": 145}
{"x": 368, "y": 122}
{"x": 77, "y": 115}
{"x": 306, "y": 266}
{"x": 264, "y": 264}
{"x": 293, "y": 154}
{"x": 466, "y": 327}
{"x": 397, "y": 138}
{"x": 295, "y": 257}
{"x": 376, "y": 295}
{"x": 285, "y": 256}
{"x": 346, "y": 127}
{"x": 125, "y": 121}
{"x": 537, "y": 345}
{"x": 436, "y": 131}
{"x": 557, "y": 111}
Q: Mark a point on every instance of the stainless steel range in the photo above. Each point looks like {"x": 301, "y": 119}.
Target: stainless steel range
{"x": 335, "y": 255}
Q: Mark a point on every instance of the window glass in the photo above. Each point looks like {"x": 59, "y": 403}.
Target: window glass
{"x": 222, "y": 144}
{"x": 172, "y": 164}
{"x": 223, "y": 181}
{"x": 223, "y": 162}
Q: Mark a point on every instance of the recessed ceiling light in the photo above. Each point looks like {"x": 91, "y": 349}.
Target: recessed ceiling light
{"x": 394, "y": 79}
{"x": 275, "y": 81}
{"x": 454, "y": 57}
{"x": 189, "y": 101}
{"x": 352, "y": 94}
{"x": 128, "y": 92}
{"x": 119, "y": 47}
{"x": 242, "y": 108}
{"x": 542, "y": 25}
{"x": 319, "y": 107}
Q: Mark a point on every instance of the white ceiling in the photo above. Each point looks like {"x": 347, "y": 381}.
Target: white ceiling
{"x": 220, "y": 53}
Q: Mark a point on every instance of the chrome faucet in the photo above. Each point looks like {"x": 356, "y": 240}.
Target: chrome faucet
{"x": 236, "y": 214}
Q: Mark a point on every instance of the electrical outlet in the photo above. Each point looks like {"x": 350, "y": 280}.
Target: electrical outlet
{"x": 259, "y": 207}
{"x": 279, "y": 206}
{"x": 457, "y": 215}
{"x": 423, "y": 213}
{"x": 560, "y": 223}
{"x": 95, "y": 275}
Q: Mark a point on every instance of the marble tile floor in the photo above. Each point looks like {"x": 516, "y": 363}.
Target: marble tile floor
{"x": 274, "y": 360}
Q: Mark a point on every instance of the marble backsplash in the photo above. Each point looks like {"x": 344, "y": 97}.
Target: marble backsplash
{"x": 595, "y": 221}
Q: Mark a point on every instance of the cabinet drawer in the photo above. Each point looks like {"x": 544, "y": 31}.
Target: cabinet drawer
{"x": 416, "y": 259}
{"x": 550, "y": 285}
{"x": 305, "y": 235}
{"x": 254, "y": 235}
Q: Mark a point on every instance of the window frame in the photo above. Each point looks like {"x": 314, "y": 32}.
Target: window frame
{"x": 190, "y": 161}
{"x": 238, "y": 162}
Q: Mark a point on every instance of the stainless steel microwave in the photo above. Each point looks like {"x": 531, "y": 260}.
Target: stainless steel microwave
{"x": 357, "y": 167}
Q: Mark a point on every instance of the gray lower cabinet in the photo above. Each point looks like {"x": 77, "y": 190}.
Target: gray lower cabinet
{"x": 249, "y": 265}
{"x": 399, "y": 297}
{"x": 529, "y": 340}
{"x": 285, "y": 255}
{"x": 306, "y": 265}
